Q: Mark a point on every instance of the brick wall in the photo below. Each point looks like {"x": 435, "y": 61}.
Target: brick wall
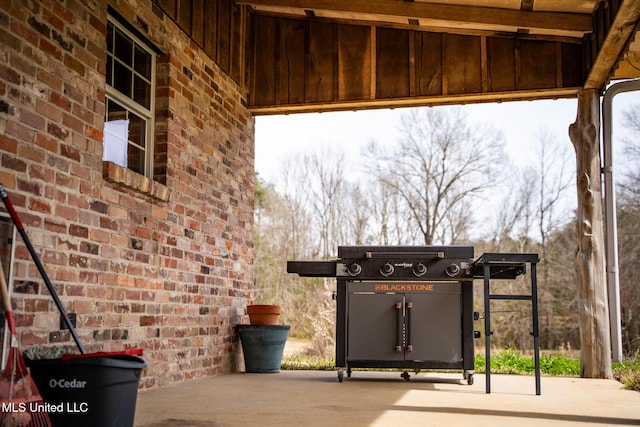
{"x": 164, "y": 264}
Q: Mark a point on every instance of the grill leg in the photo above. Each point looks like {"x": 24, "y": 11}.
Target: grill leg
{"x": 487, "y": 327}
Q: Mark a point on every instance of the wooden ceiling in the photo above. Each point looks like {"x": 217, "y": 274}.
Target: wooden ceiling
{"x": 305, "y": 55}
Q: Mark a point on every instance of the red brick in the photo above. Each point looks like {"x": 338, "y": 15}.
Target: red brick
{"x": 89, "y": 60}
{"x": 8, "y": 144}
{"x": 62, "y": 12}
{"x": 50, "y": 49}
{"x": 34, "y": 338}
{"x": 23, "y": 66}
{"x": 80, "y": 171}
{"x": 39, "y": 206}
{"x": 13, "y": 163}
{"x": 67, "y": 212}
{"x": 57, "y": 131}
{"x": 47, "y": 110}
{"x": 93, "y": 133}
{"x": 32, "y": 120}
{"x": 37, "y": 305}
{"x": 72, "y": 122}
{"x": 65, "y": 180}
{"x": 19, "y": 131}
{"x": 73, "y": 64}
{"x": 82, "y": 113}
{"x": 25, "y": 33}
{"x": 60, "y": 101}
{"x": 46, "y": 142}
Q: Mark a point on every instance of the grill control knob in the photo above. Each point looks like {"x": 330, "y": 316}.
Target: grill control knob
{"x": 354, "y": 269}
{"x": 387, "y": 270}
{"x": 419, "y": 270}
{"x": 453, "y": 270}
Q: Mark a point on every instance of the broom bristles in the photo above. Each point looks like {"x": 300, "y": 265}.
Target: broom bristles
{"x": 21, "y": 403}
{"x": 16, "y": 368}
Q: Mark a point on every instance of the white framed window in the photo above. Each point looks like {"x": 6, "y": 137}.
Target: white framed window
{"x": 130, "y": 103}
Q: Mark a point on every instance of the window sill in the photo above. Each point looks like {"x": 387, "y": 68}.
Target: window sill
{"x": 130, "y": 179}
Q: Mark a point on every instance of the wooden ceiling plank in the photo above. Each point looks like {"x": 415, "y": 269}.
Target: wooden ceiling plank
{"x": 621, "y": 31}
{"x": 484, "y": 65}
{"x": 374, "y": 66}
{"x": 526, "y": 19}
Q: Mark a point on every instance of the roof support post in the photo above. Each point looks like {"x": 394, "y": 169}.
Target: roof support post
{"x": 595, "y": 339}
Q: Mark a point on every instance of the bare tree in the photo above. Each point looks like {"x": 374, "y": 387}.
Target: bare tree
{"x": 388, "y": 222}
{"x": 355, "y": 211}
{"x": 298, "y": 219}
{"x": 554, "y": 179}
{"x": 280, "y": 234}
{"x": 532, "y": 210}
{"x": 514, "y": 215}
{"x": 440, "y": 164}
{"x": 324, "y": 181}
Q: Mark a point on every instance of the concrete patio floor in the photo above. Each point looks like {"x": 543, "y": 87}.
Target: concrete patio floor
{"x": 316, "y": 398}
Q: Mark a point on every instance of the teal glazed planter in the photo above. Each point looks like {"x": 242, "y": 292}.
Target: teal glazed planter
{"x": 262, "y": 346}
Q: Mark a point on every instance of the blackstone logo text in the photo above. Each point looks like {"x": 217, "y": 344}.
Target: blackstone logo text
{"x": 63, "y": 383}
{"x": 389, "y": 287}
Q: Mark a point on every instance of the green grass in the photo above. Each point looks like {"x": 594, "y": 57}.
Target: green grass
{"x": 504, "y": 362}
{"x": 307, "y": 363}
{"x": 513, "y": 362}
{"x": 628, "y": 372}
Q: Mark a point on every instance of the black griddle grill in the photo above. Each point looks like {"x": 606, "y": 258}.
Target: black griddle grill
{"x": 411, "y": 307}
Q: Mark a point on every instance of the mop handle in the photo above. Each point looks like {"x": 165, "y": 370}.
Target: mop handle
{"x": 63, "y": 313}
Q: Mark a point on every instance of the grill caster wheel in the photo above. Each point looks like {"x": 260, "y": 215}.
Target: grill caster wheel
{"x": 340, "y": 376}
{"x": 469, "y": 377}
{"x": 405, "y": 375}
{"x": 348, "y": 372}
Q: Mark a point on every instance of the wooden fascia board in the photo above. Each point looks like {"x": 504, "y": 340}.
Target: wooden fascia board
{"x": 624, "y": 26}
{"x": 427, "y": 101}
{"x": 523, "y": 19}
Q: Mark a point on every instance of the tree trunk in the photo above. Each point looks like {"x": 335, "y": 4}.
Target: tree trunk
{"x": 595, "y": 360}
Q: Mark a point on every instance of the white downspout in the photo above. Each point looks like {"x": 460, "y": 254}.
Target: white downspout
{"x": 611, "y": 227}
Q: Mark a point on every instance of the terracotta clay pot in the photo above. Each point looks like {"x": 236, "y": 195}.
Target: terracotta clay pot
{"x": 262, "y": 314}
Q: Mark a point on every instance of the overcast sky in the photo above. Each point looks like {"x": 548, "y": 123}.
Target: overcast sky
{"x": 520, "y": 122}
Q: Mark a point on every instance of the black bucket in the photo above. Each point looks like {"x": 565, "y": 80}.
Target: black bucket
{"x": 89, "y": 390}
{"x": 263, "y": 346}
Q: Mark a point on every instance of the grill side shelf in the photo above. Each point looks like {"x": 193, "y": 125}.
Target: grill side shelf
{"x": 502, "y": 265}
{"x": 312, "y": 268}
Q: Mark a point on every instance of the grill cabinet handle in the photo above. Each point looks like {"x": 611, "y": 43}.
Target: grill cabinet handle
{"x": 399, "y": 329}
{"x": 395, "y": 255}
{"x": 409, "y": 340}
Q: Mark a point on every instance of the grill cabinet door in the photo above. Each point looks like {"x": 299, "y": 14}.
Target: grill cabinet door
{"x": 372, "y": 331}
{"x": 435, "y": 324}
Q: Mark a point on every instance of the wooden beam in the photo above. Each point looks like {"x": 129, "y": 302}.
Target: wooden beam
{"x": 456, "y": 14}
{"x": 595, "y": 354}
{"x": 418, "y": 101}
{"x": 617, "y": 38}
